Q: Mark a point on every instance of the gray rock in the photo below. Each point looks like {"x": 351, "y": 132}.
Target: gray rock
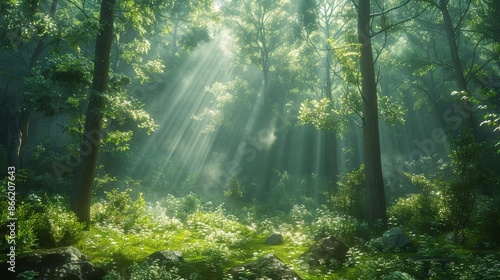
{"x": 267, "y": 267}
{"x": 167, "y": 256}
{"x": 63, "y": 263}
{"x": 325, "y": 251}
{"x": 398, "y": 275}
{"x": 274, "y": 239}
{"x": 394, "y": 238}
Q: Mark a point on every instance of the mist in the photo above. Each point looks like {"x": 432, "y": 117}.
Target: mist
{"x": 292, "y": 139}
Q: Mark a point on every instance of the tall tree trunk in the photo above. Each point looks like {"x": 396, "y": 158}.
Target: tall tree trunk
{"x": 89, "y": 150}
{"x": 371, "y": 140}
{"x": 452, "y": 44}
{"x": 455, "y": 59}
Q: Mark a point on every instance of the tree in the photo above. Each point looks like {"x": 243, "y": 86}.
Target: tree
{"x": 455, "y": 59}
{"x": 313, "y": 17}
{"x": 108, "y": 98}
{"x": 323, "y": 26}
{"x": 260, "y": 28}
{"x": 371, "y": 139}
{"x": 470, "y": 171}
{"x": 488, "y": 28}
{"x": 33, "y": 33}
{"x": 454, "y": 32}
{"x": 452, "y": 44}
{"x": 95, "y": 112}
{"x": 365, "y": 105}
{"x": 260, "y": 31}
{"x": 24, "y": 35}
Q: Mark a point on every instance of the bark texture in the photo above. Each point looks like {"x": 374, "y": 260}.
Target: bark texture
{"x": 457, "y": 64}
{"x": 371, "y": 139}
{"x": 95, "y": 113}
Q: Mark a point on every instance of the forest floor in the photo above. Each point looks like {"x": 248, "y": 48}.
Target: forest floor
{"x": 212, "y": 241}
{"x": 214, "y": 238}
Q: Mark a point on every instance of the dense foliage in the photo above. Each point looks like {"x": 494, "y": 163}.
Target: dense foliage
{"x": 208, "y": 125}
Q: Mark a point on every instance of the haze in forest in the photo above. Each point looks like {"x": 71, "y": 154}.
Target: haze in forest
{"x": 317, "y": 118}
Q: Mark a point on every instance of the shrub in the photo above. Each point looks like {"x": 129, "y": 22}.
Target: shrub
{"x": 416, "y": 213}
{"x": 459, "y": 201}
{"x": 429, "y": 247}
{"x": 190, "y": 203}
{"x": 465, "y": 267}
{"x": 344, "y": 227}
{"x": 488, "y": 217}
{"x": 26, "y": 238}
{"x": 350, "y": 197}
{"x": 281, "y": 197}
{"x": 299, "y": 214}
{"x": 119, "y": 209}
{"x": 28, "y": 275}
{"x": 46, "y": 224}
{"x": 64, "y": 225}
{"x": 217, "y": 227}
{"x": 419, "y": 212}
{"x": 28, "y": 235}
{"x": 234, "y": 190}
{"x": 470, "y": 170}
{"x": 152, "y": 270}
{"x": 181, "y": 208}
{"x": 385, "y": 268}
{"x": 216, "y": 259}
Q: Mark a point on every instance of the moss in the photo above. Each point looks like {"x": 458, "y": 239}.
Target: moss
{"x": 213, "y": 241}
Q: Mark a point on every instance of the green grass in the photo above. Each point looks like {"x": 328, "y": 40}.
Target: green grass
{"x": 204, "y": 238}
{"x": 212, "y": 240}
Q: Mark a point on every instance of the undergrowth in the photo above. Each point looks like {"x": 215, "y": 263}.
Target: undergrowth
{"x": 213, "y": 240}
{"x": 126, "y": 229}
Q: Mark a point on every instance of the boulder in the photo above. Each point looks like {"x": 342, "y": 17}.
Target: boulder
{"x": 394, "y": 238}
{"x": 168, "y": 258}
{"x": 267, "y": 267}
{"x": 398, "y": 275}
{"x": 325, "y": 251}
{"x": 274, "y": 239}
{"x": 63, "y": 263}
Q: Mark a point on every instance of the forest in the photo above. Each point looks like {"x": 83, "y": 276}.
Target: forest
{"x": 250, "y": 139}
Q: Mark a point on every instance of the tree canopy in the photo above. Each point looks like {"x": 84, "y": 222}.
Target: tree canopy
{"x": 317, "y": 118}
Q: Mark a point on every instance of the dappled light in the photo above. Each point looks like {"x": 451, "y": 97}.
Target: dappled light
{"x": 250, "y": 139}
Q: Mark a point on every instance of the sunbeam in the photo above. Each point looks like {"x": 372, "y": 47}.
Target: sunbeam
{"x": 250, "y": 139}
